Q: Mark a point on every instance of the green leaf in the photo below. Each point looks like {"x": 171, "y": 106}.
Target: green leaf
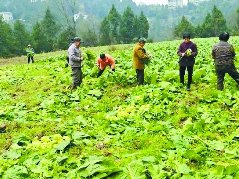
{"x": 136, "y": 170}
{"x": 183, "y": 168}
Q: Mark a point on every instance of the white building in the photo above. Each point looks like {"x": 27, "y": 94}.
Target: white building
{"x": 33, "y": 1}
{"x": 196, "y": 2}
{"x": 172, "y": 4}
{"x": 7, "y": 16}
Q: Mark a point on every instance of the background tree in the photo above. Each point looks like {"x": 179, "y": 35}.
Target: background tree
{"x": 39, "y": 38}
{"x": 105, "y": 32}
{"x": 219, "y": 22}
{"x": 143, "y": 26}
{"x": 7, "y": 47}
{"x": 127, "y": 26}
{"x": 183, "y": 26}
{"x": 50, "y": 29}
{"x": 207, "y": 26}
{"x": 65, "y": 37}
{"x": 236, "y": 31}
{"x": 90, "y": 38}
{"x": 21, "y": 37}
{"x": 114, "y": 20}
{"x": 67, "y": 9}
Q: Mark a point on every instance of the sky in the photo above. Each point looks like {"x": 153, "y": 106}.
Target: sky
{"x": 150, "y": 1}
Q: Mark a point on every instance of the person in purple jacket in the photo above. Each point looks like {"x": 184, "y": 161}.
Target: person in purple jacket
{"x": 187, "y": 52}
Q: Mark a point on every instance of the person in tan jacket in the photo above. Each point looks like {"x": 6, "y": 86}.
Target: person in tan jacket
{"x": 140, "y": 57}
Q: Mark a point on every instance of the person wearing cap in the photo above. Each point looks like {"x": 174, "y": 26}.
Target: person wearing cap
{"x": 30, "y": 53}
{"x": 103, "y": 61}
{"x": 139, "y": 58}
{"x": 187, "y": 52}
{"x": 75, "y": 61}
{"x": 223, "y": 54}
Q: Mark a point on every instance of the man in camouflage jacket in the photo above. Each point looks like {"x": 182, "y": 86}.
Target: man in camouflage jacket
{"x": 223, "y": 54}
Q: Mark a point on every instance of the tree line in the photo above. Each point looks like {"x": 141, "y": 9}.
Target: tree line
{"x": 213, "y": 24}
{"x": 46, "y": 35}
{"x": 115, "y": 28}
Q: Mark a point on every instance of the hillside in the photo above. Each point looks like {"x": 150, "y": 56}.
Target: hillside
{"x": 162, "y": 19}
{"x": 111, "y": 128}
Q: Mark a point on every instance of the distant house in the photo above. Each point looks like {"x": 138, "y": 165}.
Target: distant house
{"x": 33, "y": 1}
{"x": 173, "y": 4}
{"x": 196, "y": 2}
{"x": 7, "y": 16}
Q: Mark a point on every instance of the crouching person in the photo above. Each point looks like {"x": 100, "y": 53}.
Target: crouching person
{"x": 103, "y": 61}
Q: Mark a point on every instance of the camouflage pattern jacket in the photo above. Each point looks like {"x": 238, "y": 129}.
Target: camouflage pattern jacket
{"x": 223, "y": 53}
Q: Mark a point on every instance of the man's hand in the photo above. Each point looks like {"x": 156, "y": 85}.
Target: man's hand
{"x": 182, "y": 54}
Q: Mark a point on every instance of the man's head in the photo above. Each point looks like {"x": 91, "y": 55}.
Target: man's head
{"x": 186, "y": 37}
{"x": 142, "y": 41}
{"x": 224, "y": 36}
{"x": 102, "y": 56}
{"x": 77, "y": 41}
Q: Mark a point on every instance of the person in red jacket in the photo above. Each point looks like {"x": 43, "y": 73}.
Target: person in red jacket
{"x": 103, "y": 61}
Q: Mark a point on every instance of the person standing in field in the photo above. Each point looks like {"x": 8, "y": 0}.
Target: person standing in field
{"x": 103, "y": 61}
{"x": 187, "y": 52}
{"x": 140, "y": 57}
{"x": 30, "y": 53}
{"x": 75, "y": 61}
{"x": 223, "y": 54}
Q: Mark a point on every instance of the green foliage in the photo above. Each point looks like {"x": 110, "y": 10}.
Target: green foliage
{"x": 50, "y": 30}
{"x": 6, "y": 39}
{"x": 65, "y": 38}
{"x": 219, "y": 22}
{"x": 143, "y": 26}
{"x": 183, "y": 26}
{"x": 110, "y": 127}
{"x": 127, "y": 26}
{"x": 105, "y": 32}
{"x": 21, "y": 38}
{"x": 213, "y": 25}
{"x": 39, "y": 38}
{"x": 114, "y": 19}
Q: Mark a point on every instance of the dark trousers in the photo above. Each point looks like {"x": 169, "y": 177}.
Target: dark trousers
{"x": 101, "y": 71}
{"x": 140, "y": 76}
{"x": 182, "y": 70}
{"x": 29, "y": 58}
{"x": 76, "y": 76}
{"x": 222, "y": 70}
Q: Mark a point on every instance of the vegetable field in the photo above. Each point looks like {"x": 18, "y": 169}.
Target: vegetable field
{"x": 112, "y": 128}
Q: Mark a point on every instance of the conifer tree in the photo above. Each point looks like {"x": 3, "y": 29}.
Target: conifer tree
{"x": 105, "y": 32}
{"x": 39, "y": 38}
{"x": 183, "y": 26}
{"x": 114, "y": 20}
{"x": 127, "y": 26}
{"x": 21, "y": 37}
{"x": 50, "y": 29}
{"x": 219, "y": 22}
{"x": 7, "y": 47}
{"x": 143, "y": 25}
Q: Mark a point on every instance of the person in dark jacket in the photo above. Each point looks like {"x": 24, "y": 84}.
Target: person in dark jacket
{"x": 187, "y": 52}
{"x": 75, "y": 61}
{"x": 223, "y": 54}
